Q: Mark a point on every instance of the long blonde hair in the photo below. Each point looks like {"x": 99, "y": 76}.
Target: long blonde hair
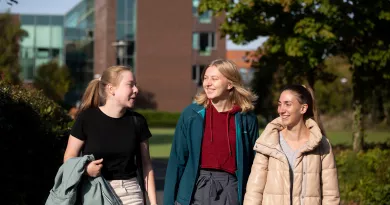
{"x": 239, "y": 95}
{"x": 95, "y": 94}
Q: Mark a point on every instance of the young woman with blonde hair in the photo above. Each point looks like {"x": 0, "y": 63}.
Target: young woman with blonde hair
{"x": 212, "y": 149}
{"x": 294, "y": 162}
{"x": 115, "y": 135}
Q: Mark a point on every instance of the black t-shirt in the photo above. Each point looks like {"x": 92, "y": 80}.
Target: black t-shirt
{"x": 113, "y": 139}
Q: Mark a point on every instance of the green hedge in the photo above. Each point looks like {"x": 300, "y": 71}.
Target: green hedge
{"x": 364, "y": 177}
{"x": 159, "y": 118}
{"x": 169, "y": 119}
{"x": 33, "y": 132}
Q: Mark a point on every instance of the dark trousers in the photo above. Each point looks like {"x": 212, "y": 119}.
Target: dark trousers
{"x": 216, "y": 188}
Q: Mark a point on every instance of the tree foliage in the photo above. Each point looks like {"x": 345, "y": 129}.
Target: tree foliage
{"x": 302, "y": 33}
{"x": 10, "y": 35}
{"x": 54, "y": 80}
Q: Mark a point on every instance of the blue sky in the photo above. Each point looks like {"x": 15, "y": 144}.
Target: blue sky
{"x": 62, "y": 6}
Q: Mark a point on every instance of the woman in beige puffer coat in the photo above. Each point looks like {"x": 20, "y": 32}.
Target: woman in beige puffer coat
{"x": 294, "y": 162}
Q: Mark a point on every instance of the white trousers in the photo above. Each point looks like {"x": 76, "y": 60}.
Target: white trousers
{"x": 128, "y": 191}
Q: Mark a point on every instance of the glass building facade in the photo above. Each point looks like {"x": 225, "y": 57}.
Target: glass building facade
{"x": 79, "y": 24}
{"x": 45, "y": 42}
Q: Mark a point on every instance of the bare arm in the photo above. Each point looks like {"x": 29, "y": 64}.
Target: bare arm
{"x": 73, "y": 148}
{"x": 148, "y": 172}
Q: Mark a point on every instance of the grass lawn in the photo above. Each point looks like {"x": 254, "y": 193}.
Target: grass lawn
{"x": 160, "y": 143}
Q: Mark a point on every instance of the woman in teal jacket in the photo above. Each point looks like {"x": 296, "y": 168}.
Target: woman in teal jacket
{"x": 212, "y": 150}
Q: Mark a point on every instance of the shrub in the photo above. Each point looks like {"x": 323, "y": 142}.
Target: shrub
{"x": 364, "y": 177}
{"x": 169, "y": 119}
{"x": 33, "y": 132}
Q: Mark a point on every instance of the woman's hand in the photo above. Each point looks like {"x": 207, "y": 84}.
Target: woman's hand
{"x": 94, "y": 167}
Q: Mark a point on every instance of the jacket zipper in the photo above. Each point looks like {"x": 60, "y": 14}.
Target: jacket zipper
{"x": 238, "y": 162}
{"x": 304, "y": 180}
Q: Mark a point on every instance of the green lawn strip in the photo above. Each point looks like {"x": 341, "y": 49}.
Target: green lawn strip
{"x": 160, "y": 143}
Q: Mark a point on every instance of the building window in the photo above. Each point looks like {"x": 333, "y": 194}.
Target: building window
{"x": 203, "y": 42}
{"x": 27, "y": 52}
{"x": 43, "y": 53}
{"x": 45, "y": 42}
{"x": 27, "y": 19}
{"x": 126, "y": 61}
{"x": 197, "y": 71}
{"x": 57, "y": 39}
{"x": 42, "y": 36}
{"x": 28, "y": 41}
{"x": 120, "y": 11}
{"x": 125, "y": 31}
{"x": 125, "y": 27}
{"x": 204, "y": 18}
{"x": 43, "y": 20}
{"x": 57, "y": 20}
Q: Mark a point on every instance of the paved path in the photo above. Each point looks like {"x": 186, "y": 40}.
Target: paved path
{"x": 159, "y": 166}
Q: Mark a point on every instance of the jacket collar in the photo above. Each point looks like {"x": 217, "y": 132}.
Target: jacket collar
{"x": 270, "y": 136}
{"x": 196, "y": 107}
{"x": 201, "y": 110}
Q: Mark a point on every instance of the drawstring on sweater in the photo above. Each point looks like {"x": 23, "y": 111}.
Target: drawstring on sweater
{"x": 227, "y": 133}
{"x": 227, "y": 127}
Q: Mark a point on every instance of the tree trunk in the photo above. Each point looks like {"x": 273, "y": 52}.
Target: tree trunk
{"x": 378, "y": 110}
{"x": 358, "y": 125}
{"x": 358, "y": 128}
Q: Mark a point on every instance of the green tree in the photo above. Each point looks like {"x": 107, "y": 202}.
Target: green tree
{"x": 10, "y": 35}
{"x": 362, "y": 30}
{"x": 297, "y": 41}
{"x": 54, "y": 80}
{"x": 302, "y": 33}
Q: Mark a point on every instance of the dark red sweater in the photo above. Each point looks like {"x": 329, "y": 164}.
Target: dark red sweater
{"x": 219, "y": 140}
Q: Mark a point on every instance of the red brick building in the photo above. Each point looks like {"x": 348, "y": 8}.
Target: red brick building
{"x": 170, "y": 42}
{"x": 167, "y": 43}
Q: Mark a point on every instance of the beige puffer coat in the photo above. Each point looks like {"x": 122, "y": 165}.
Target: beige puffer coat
{"x": 315, "y": 173}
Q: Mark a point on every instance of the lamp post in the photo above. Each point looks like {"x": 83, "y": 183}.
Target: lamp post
{"x": 120, "y": 50}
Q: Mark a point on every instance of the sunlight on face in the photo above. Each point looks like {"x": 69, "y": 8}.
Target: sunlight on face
{"x": 289, "y": 108}
{"x": 126, "y": 91}
{"x": 215, "y": 84}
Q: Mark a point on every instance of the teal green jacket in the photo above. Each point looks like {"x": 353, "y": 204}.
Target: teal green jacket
{"x": 183, "y": 165}
{"x": 69, "y": 182}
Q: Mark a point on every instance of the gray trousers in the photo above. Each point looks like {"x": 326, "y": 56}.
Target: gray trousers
{"x": 216, "y": 188}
